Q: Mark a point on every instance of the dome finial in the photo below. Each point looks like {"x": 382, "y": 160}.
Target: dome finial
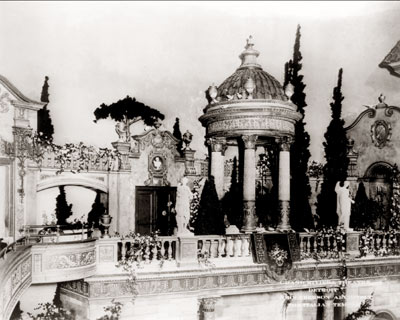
{"x": 249, "y": 55}
{"x": 250, "y": 42}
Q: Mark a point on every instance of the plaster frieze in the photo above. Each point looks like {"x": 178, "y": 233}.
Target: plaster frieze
{"x": 263, "y": 126}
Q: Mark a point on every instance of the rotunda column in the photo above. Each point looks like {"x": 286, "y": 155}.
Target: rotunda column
{"x": 284, "y": 182}
{"x": 249, "y": 184}
{"x": 218, "y": 147}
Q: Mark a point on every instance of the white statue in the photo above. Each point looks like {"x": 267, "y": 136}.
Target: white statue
{"x": 182, "y": 207}
{"x": 343, "y": 204}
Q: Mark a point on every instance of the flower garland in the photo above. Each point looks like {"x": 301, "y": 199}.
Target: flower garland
{"x": 78, "y": 156}
{"x": 194, "y": 204}
{"x": 379, "y": 244}
{"x": 363, "y": 310}
{"x": 395, "y": 199}
{"x": 142, "y": 248}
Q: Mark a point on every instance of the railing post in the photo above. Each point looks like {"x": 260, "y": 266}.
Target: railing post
{"x": 352, "y": 243}
{"x": 186, "y": 251}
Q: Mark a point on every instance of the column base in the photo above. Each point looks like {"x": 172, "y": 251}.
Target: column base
{"x": 249, "y": 216}
{"x": 284, "y": 209}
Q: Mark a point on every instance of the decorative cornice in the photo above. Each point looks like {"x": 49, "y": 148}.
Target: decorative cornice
{"x": 371, "y": 113}
{"x": 22, "y": 99}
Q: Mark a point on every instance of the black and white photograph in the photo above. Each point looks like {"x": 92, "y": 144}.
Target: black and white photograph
{"x": 199, "y": 160}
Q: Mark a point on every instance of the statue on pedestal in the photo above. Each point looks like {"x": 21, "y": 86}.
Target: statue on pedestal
{"x": 343, "y": 204}
{"x": 183, "y": 197}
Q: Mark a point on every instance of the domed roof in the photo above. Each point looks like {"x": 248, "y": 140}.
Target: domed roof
{"x": 265, "y": 86}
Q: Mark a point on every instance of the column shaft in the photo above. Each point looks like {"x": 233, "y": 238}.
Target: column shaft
{"x": 284, "y": 183}
{"x": 218, "y": 146}
{"x": 249, "y": 184}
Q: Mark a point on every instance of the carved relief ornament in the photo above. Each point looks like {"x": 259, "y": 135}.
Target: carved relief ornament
{"x": 249, "y": 141}
{"x": 381, "y": 132}
{"x": 217, "y": 144}
{"x": 284, "y": 143}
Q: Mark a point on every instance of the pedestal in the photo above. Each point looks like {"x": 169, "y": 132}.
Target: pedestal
{"x": 190, "y": 170}
{"x": 122, "y": 147}
{"x": 352, "y": 243}
{"x": 187, "y": 253}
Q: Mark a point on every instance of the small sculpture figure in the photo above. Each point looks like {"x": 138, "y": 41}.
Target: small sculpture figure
{"x": 187, "y": 139}
{"x": 343, "y": 204}
{"x": 123, "y": 133}
{"x": 157, "y": 163}
{"x": 182, "y": 207}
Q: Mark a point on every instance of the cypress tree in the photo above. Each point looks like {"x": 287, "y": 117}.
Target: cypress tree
{"x": 178, "y": 135}
{"x": 44, "y": 123}
{"x": 300, "y": 212}
{"x": 97, "y": 211}
{"x": 63, "y": 209}
{"x": 210, "y": 219}
{"x": 232, "y": 202}
{"x": 335, "y": 168}
{"x": 359, "y": 211}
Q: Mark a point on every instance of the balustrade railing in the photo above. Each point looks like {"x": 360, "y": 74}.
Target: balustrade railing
{"x": 163, "y": 249}
{"x": 321, "y": 246}
{"x": 53, "y": 233}
{"x": 379, "y": 243}
{"x": 229, "y": 246}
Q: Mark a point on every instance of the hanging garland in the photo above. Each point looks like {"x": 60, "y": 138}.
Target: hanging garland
{"x": 78, "y": 156}
{"x": 194, "y": 204}
{"x": 395, "y": 199}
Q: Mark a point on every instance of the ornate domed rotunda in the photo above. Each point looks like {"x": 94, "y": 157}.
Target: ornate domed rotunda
{"x": 249, "y": 109}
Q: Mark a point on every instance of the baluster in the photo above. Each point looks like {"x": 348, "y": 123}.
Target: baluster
{"x": 147, "y": 253}
{"x": 372, "y": 244}
{"x": 301, "y": 244}
{"x": 203, "y": 247}
{"x": 238, "y": 245}
{"x": 154, "y": 253}
{"x": 208, "y": 247}
{"x": 221, "y": 247}
{"x": 162, "y": 251}
{"x": 169, "y": 250}
{"x": 229, "y": 246}
{"x": 308, "y": 244}
{"x": 315, "y": 244}
{"x": 335, "y": 248}
{"x": 245, "y": 246}
{"x": 123, "y": 250}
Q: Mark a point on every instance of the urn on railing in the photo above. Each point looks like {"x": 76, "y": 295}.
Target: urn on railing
{"x": 105, "y": 221}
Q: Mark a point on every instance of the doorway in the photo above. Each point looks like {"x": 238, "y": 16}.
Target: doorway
{"x": 155, "y": 210}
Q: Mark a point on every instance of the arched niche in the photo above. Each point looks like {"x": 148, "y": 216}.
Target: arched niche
{"x": 377, "y": 181}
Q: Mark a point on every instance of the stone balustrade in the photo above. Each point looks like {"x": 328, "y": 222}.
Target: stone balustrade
{"x": 379, "y": 243}
{"x": 325, "y": 246}
{"x": 217, "y": 247}
{"x": 165, "y": 249}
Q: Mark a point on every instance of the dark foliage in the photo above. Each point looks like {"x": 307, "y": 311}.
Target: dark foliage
{"x": 44, "y": 123}
{"x": 17, "y": 312}
{"x": 335, "y": 168}
{"x": 210, "y": 219}
{"x": 97, "y": 211}
{"x": 57, "y": 297}
{"x": 364, "y": 211}
{"x": 128, "y": 109}
{"x": 300, "y": 213}
{"x": 232, "y": 202}
{"x": 63, "y": 209}
{"x": 178, "y": 135}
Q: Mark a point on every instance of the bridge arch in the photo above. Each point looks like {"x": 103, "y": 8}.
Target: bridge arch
{"x": 91, "y": 183}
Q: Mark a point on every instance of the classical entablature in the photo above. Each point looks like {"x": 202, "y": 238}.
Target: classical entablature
{"x": 87, "y": 180}
{"x": 16, "y": 109}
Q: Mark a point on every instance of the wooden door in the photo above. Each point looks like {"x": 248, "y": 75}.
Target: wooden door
{"x": 150, "y": 204}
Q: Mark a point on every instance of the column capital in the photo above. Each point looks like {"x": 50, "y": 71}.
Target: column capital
{"x": 284, "y": 142}
{"x": 249, "y": 141}
{"x": 217, "y": 144}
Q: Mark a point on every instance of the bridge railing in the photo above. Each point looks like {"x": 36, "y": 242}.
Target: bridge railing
{"x": 54, "y": 233}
